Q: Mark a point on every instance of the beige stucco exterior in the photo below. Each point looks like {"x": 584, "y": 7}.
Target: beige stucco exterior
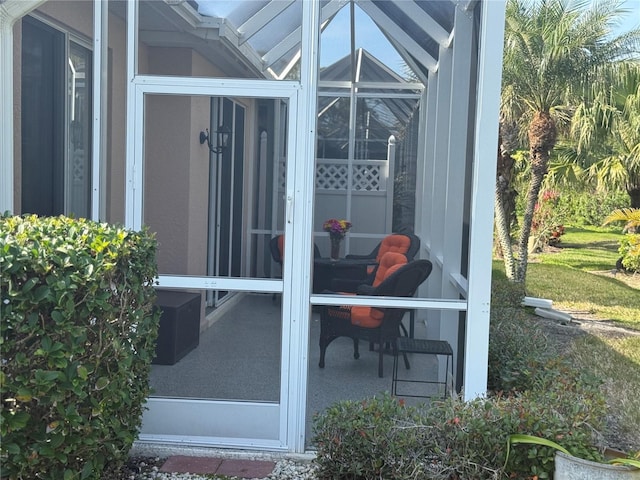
{"x": 177, "y": 166}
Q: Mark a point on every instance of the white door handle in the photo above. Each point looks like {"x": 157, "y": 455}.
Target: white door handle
{"x": 289, "y": 208}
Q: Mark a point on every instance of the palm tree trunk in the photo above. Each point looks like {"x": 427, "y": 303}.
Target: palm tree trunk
{"x": 527, "y": 220}
{"x": 634, "y": 196}
{"x": 542, "y": 139}
{"x": 504, "y": 237}
{"x": 504, "y": 205}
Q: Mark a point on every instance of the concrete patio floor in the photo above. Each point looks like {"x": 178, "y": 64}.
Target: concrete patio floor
{"x": 238, "y": 358}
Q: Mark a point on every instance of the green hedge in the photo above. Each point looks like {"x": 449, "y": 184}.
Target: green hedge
{"x": 373, "y": 438}
{"x": 379, "y": 437}
{"x": 78, "y": 335}
{"x": 536, "y": 391}
{"x": 630, "y": 251}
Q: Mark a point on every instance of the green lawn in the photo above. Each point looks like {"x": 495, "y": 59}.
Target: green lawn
{"x": 590, "y": 249}
{"x": 578, "y": 276}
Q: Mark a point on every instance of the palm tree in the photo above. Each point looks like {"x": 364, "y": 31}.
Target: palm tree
{"x": 552, "y": 51}
{"x": 631, "y": 217}
{"x": 608, "y": 129}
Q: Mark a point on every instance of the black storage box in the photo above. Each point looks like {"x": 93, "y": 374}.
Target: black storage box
{"x": 179, "y": 331}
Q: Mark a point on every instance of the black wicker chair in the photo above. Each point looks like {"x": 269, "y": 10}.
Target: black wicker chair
{"x": 349, "y": 280}
{"x": 377, "y": 325}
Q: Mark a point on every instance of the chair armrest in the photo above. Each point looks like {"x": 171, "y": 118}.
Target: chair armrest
{"x": 365, "y": 289}
{"x": 345, "y": 284}
{"x": 353, "y": 256}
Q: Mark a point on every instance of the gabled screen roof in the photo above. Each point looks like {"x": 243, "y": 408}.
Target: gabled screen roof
{"x": 415, "y": 28}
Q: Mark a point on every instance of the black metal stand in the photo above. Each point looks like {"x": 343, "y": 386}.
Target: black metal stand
{"x": 420, "y": 346}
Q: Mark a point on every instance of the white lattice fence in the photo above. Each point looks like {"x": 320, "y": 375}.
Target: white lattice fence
{"x": 370, "y": 176}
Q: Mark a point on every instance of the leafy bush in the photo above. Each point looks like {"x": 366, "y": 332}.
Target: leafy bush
{"x": 469, "y": 439}
{"x": 630, "y": 251}
{"x": 546, "y": 227}
{"x": 589, "y": 207}
{"x": 517, "y": 345}
{"x": 78, "y": 335}
{"x": 630, "y": 244}
{"x": 378, "y": 437}
{"x": 517, "y": 348}
{"x": 381, "y": 438}
{"x": 536, "y": 392}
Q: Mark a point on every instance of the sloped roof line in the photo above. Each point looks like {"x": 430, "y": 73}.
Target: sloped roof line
{"x": 405, "y": 39}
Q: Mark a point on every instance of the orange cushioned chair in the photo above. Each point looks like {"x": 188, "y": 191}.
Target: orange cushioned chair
{"x": 375, "y": 324}
{"x": 406, "y": 243}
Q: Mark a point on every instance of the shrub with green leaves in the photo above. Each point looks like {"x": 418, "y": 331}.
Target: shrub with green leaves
{"x": 469, "y": 439}
{"x": 377, "y": 437}
{"x": 517, "y": 349}
{"x": 78, "y": 335}
{"x": 547, "y": 224}
{"x": 630, "y": 251}
{"x": 584, "y": 206}
{"x": 517, "y": 345}
{"x": 382, "y": 438}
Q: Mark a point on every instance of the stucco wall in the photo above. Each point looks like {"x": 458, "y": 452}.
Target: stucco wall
{"x": 177, "y": 167}
{"x": 116, "y": 126}
{"x": 78, "y": 16}
{"x": 177, "y": 170}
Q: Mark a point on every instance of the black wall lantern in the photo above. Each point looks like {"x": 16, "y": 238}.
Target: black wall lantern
{"x": 222, "y": 139}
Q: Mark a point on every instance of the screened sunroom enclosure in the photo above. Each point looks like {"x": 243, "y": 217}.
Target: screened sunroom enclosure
{"x": 220, "y": 125}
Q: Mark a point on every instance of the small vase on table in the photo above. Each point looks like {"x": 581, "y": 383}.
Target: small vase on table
{"x": 335, "y": 248}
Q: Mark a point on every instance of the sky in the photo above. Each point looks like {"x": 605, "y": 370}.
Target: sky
{"x": 335, "y": 41}
{"x": 633, "y": 19}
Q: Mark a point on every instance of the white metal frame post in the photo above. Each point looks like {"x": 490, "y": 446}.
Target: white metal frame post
{"x": 439, "y": 174}
{"x": 133, "y": 173}
{"x": 484, "y": 174}
{"x": 99, "y": 127}
{"x": 10, "y": 11}
{"x": 302, "y": 245}
{"x": 455, "y": 177}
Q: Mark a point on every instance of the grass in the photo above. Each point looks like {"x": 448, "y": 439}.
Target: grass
{"x": 590, "y": 249}
{"x": 617, "y": 362}
{"x": 577, "y": 276}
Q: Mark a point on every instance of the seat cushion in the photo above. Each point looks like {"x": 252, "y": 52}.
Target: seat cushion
{"x": 389, "y": 263}
{"x": 367, "y": 317}
{"x": 394, "y": 243}
{"x": 281, "y": 246}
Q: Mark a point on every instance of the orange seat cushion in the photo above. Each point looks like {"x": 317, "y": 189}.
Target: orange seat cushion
{"x": 371, "y": 317}
{"x": 393, "y": 243}
{"x": 390, "y": 260}
{"x": 367, "y": 317}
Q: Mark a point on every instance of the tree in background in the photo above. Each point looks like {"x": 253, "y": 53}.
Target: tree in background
{"x": 607, "y": 130}
{"x": 553, "y": 50}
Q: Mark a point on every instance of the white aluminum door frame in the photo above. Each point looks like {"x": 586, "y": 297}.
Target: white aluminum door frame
{"x": 255, "y": 424}
{"x": 302, "y": 97}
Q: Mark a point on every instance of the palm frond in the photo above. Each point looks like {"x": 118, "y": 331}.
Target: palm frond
{"x": 629, "y": 215}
